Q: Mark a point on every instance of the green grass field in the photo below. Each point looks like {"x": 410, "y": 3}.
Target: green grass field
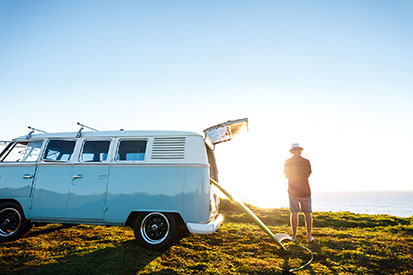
{"x": 346, "y": 243}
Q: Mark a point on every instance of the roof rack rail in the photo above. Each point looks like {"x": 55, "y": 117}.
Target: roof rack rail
{"x": 79, "y": 133}
{"x": 29, "y": 135}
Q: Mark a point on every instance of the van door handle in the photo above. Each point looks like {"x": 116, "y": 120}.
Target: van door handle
{"x": 27, "y": 176}
{"x": 78, "y": 176}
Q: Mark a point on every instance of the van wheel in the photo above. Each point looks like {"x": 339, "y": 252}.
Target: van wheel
{"x": 13, "y": 224}
{"x": 155, "y": 231}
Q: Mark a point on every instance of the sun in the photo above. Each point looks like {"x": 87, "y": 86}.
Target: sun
{"x": 250, "y": 174}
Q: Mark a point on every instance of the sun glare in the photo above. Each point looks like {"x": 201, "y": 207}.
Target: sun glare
{"x": 251, "y": 174}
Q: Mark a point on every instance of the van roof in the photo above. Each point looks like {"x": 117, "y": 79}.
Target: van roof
{"x": 129, "y": 133}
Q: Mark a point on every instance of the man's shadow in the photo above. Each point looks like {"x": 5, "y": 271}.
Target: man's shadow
{"x": 316, "y": 254}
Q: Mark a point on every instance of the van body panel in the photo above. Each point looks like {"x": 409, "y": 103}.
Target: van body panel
{"x": 143, "y": 188}
{"x": 16, "y": 180}
{"x": 196, "y": 195}
{"x": 195, "y": 150}
{"x": 51, "y": 190}
{"x": 87, "y": 194}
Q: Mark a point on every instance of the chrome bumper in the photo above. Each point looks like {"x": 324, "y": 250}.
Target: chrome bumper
{"x": 208, "y": 228}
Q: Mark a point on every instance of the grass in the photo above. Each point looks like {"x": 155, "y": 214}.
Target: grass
{"x": 346, "y": 243}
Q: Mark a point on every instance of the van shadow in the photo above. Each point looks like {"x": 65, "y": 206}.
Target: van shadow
{"x": 35, "y": 231}
{"x": 42, "y": 230}
{"x": 126, "y": 258}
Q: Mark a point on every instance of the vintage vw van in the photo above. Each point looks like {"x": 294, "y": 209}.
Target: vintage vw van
{"x": 157, "y": 182}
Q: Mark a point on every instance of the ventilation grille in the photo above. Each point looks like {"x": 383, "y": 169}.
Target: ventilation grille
{"x": 168, "y": 148}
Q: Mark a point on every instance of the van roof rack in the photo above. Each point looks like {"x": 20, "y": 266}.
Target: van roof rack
{"x": 29, "y": 135}
{"x": 82, "y": 126}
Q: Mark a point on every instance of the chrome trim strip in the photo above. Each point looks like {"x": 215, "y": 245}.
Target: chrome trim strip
{"x": 126, "y": 164}
{"x": 91, "y": 163}
{"x": 46, "y": 164}
{"x": 162, "y": 164}
{"x": 18, "y": 164}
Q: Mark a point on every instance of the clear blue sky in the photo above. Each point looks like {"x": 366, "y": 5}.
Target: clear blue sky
{"x": 335, "y": 76}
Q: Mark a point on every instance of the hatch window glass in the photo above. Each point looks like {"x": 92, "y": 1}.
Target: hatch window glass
{"x": 59, "y": 150}
{"x": 131, "y": 150}
{"x": 24, "y": 151}
{"x": 225, "y": 131}
{"x": 95, "y": 151}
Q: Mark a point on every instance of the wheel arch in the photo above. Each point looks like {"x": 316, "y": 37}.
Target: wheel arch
{"x": 11, "y": 200}
{"x": 17, "y": 202}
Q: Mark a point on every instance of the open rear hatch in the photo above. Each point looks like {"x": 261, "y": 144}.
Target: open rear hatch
{"x": 224, "y": 132}
{"x": 220, "y": 133}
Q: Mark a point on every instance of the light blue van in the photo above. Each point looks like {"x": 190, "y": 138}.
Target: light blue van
{"x": 157, "y": 182}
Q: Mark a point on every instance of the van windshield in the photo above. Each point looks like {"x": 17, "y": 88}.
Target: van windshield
{"x": 23, "y": 152}
{"x": 3, "y": 145}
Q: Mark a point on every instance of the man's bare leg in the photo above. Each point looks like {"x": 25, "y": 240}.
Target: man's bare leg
{"x": 294, "y": 224}
{"x": 309, "y": 225}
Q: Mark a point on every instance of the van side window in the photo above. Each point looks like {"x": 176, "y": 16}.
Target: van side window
{"x": 59, "y": 150}
{"x": 95, "y": 151}
{"x": 131, "y": 150}
{"x": 24, "y": 151}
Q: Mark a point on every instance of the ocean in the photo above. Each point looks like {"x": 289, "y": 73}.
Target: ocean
{"x": 395, "y": 203}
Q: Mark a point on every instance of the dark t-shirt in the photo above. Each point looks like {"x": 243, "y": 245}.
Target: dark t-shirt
{"x": 297, "y": 169}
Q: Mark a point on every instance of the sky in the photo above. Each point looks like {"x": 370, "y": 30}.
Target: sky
{"x": 334, "y": 76}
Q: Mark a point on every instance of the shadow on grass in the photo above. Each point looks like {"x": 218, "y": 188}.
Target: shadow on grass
{"x": 126, "y": 258}
{"x": 286, "y": 265}
{"x": 321, "y": 258}
{"x": 43, "y": 231}
{"x": 34, "y": 233}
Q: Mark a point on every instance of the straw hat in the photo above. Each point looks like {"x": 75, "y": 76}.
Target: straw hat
{"x": 296, "y": 146}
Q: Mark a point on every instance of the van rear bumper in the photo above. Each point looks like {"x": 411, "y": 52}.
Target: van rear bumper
{"x": 208, "y": 228}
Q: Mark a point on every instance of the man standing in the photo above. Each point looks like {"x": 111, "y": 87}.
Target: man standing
{"x": 297, "y": 169}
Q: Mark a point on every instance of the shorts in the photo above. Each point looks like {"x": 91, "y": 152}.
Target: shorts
{"x": 300, "y": 204}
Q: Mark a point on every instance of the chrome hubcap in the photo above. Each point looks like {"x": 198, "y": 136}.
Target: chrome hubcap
{"x": 10, "y": 221}
{"x": 155, "y": 228}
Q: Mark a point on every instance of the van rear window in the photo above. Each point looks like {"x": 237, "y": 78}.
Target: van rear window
{"x": 59, "y": 150}
{"x": 131, "y": 150}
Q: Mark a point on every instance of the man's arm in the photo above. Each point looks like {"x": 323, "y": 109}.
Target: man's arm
{"x": 308, "y": 169}
{"x": 286, "y": 170}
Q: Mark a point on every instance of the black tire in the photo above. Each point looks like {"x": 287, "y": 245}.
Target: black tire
{"x": 13, "y": 223}
{"x": 155, "y": 231}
